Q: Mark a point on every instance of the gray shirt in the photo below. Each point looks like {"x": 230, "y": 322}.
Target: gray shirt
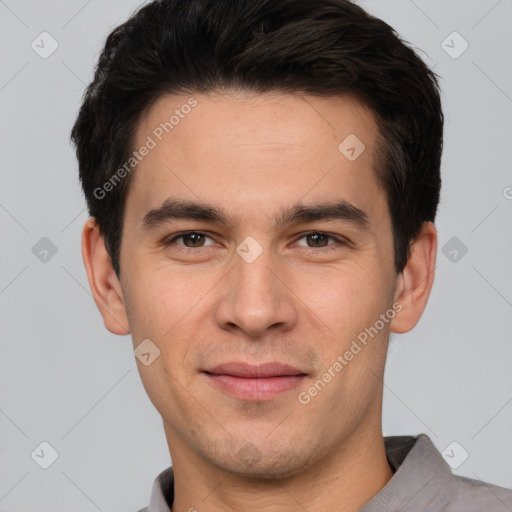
{"x": 423, "y": 482}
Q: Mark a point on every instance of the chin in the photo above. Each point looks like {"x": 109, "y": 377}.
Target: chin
{"x": 258, "y": 466}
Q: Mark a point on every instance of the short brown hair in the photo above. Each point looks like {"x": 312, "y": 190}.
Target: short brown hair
{"x": 319, "y": 47}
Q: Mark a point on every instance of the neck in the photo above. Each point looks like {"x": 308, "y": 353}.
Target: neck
{"x": 344, "y": 481}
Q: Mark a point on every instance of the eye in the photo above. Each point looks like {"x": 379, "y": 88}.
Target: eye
{"x": 317, "y": 239}
{"x": 190, "y": 239}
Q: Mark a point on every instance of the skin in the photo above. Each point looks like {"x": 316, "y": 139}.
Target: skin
{"x": 301, "y": 302}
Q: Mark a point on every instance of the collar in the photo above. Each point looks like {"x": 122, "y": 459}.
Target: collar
{"x": 420, "y": 479}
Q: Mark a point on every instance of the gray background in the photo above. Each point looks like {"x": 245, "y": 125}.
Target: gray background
{"x": 67, "y": 381}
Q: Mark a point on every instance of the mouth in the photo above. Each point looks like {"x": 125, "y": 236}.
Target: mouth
{"x": 255, "y": 383}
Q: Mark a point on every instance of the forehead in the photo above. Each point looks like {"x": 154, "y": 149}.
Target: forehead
{"x": 256, "y": 151}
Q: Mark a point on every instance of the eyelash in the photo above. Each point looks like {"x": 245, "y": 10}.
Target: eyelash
{"x": 340, "y": 241}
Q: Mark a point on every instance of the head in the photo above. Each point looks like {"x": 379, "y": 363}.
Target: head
{"x": 262, "y": 179}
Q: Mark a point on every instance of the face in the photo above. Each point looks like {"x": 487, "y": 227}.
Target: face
{"x": 250, "y": 238}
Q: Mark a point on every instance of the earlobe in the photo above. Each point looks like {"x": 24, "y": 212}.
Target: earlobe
{"x": 415, "y": 282}
{"x": 105, "y": 286}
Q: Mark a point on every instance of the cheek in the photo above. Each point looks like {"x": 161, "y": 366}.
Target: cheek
{"x": 173, "y": 309}
{"x": 345, "y": 299}
{"x": 160, "y": 306}
{"x": 161, "y": 298}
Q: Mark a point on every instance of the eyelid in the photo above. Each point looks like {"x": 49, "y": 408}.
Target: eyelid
{"x": 338, "y": 238}
{"x": 172, "y": 238}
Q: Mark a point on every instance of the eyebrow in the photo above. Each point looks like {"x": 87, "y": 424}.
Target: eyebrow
{"x": 339, "y": 210}
{"x": 173, "y": 209}
{"x": 179, "y": 209}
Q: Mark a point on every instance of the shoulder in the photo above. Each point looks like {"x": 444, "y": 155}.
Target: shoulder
{"x": 423, "y": 480}
{"x": 458, "y": 493}
{"x": 471, "y": 495}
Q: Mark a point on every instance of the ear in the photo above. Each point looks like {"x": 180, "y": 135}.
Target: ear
{"x": 416, "y": 280}
{"x": 105, "y": 286}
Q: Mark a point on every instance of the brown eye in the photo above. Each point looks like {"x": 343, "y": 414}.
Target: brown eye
{"x": 317, "y": 240}
{"x": 193, "y": 240}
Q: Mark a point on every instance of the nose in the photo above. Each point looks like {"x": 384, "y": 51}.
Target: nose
{"x": 256, "y": 299}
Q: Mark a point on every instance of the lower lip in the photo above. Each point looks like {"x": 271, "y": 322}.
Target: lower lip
{"x": 255, "y": 389}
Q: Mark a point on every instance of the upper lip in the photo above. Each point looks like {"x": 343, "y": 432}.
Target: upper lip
{"x": 240, "y": 369}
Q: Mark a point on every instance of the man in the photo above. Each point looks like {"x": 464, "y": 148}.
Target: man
{"x": 262, "y": 179}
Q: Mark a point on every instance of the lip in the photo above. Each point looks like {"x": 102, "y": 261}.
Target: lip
{"x": 249, "y": 382}
{"x": 240, "y": 369}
